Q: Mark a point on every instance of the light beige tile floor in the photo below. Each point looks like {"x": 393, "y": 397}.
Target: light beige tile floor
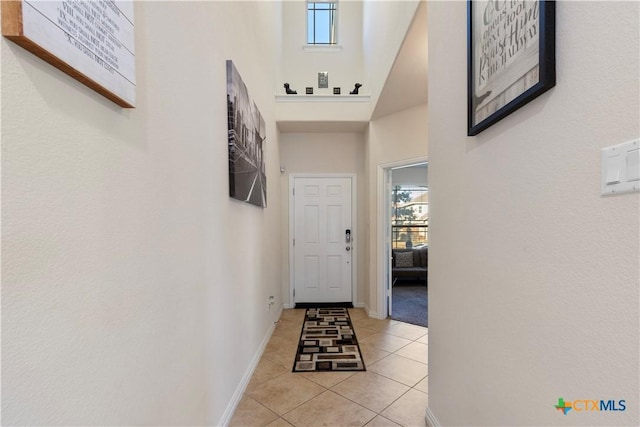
{"x": 392, "y": 392}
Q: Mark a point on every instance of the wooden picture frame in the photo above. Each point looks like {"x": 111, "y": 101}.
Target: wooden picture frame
{"x": 91, "y": 41}
{"x": 511, "y": 57}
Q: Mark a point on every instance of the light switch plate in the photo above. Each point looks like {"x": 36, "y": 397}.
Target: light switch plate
{"x": 620, "y": 166}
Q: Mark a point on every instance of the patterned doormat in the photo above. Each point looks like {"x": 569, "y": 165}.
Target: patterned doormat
{"x": 328, "y": 342}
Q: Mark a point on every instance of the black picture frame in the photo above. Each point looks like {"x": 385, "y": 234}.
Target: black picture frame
{"x": 511, "y": 57}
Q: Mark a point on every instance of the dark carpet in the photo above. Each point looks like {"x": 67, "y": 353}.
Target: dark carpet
{"x": 410, "y": 302}
{"x": 328, "y": 342}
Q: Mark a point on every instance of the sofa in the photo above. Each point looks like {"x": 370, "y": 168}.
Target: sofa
{"x": 413, "y": 266}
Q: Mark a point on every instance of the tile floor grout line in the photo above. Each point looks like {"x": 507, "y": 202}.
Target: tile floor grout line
{"x": 406, "y": 385}
{"x": 408, "y": 358}
{"x": 386, "y": 407}
{"x": 293, "y": 409}
{"x": 378, "y": 413}
{"x": 261, "y": 404}
{"x": 354, "y": 402}
{"x": 311, "y": 398}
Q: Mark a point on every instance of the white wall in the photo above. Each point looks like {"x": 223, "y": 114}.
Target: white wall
{"x": 328, "y": 153}
{"x": 533, "y": 276}
{"x": 393, "y": 138}
{"x": 134, "y": 290}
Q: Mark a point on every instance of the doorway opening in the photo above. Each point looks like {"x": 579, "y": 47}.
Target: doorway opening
{"x": 409, "y": 244}
{"x": 404, "y": 224}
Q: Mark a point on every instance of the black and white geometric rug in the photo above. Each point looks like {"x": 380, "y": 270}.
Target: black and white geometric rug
{"x": 328, "y": 342}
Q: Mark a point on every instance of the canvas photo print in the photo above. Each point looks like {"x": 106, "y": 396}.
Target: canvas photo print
{"x": 506, "y": 47}
{"x": 511, "y": 57}
{"x": 247, "y": 134}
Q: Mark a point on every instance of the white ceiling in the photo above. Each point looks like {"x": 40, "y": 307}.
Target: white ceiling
{"x": 406, "y": 85}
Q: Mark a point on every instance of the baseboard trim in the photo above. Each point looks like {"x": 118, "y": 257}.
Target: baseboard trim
{"x": 431, "y": 419}
{"x": 237, "y": 395}
{"x": 373, "y": 314}
{"x": 359, "y": 305}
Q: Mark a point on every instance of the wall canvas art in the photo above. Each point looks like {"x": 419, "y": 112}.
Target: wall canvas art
{"x": 247, "y": 134}
{"x": 511, "y": 57}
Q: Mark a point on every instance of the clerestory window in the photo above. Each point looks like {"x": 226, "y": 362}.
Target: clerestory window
{"x": 321, "y": 23}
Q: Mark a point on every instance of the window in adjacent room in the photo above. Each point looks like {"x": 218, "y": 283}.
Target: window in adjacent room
{"x": 409, "y": 216}
{"x": 321, "y": 23}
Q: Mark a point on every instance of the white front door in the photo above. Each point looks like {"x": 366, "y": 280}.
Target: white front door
{"x": 322, "y": 240}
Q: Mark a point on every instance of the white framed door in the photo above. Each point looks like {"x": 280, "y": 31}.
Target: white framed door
{"x": 323, "y": 237}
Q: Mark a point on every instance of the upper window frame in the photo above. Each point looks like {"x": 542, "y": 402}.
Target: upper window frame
{"x": 311, "y": 43}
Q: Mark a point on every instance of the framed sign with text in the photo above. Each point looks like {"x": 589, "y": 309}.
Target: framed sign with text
{"x": 511, "y": 57}
{"x": 90, "y": 40}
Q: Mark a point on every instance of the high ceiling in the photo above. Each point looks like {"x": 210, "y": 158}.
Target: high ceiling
{"x": 406, "y": 85}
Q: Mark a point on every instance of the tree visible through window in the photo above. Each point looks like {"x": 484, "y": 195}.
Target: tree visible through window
{"x": 409, "y": 216}
{"x": 321, "y": 23}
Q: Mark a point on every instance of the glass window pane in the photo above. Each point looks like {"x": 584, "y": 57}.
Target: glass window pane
{"x": 310, "y": 28}
{"x": 322, "y": 26}
{"x": 410, "y": 216}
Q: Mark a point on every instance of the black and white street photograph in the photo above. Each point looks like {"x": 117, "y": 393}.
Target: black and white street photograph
{"x": 247, "y": 179}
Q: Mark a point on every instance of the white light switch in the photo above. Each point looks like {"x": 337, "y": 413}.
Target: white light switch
{"x": 633, "y": 165}
{"x": 613, "y": 169}
{"x": 620, "y": 168}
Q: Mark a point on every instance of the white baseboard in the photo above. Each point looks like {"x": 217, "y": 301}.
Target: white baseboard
{"x": 286, "y": 306}
{"x": 371, "y": 313}
{"x": 237, "y": 395}
{"x": 431, "y": 419}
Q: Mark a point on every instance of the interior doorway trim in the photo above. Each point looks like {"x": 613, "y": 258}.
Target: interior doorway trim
{"x": 354, "y": 228}
{"x": 383, "y": 272}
